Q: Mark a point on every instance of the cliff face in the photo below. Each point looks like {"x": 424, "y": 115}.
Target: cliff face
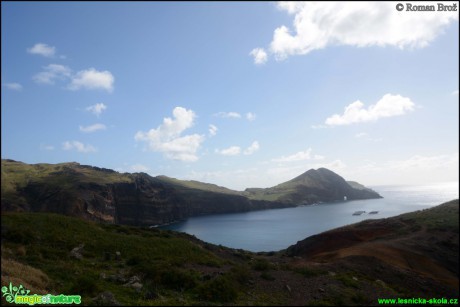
{"x": 139, "y": 199}
{"x": 104, "y": 195}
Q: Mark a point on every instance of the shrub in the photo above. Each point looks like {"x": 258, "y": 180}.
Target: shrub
{"x": 220, "y": 289}
{"x": 241, "y": 274}
{"x": 84, "y": 285}
{"x": 178, "y": 279}
{"x": 267, "y": 276}
{"x": 261, "y": 265}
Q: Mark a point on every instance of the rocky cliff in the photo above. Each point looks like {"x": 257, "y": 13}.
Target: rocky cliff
{"x": 139, "y": 199}
{"x": 105, "y": 195}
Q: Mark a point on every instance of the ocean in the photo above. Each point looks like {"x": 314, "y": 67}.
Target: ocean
{"x": 276, "y": 229}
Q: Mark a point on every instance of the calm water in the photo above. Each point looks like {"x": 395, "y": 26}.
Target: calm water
{"x": 272, "y": 230}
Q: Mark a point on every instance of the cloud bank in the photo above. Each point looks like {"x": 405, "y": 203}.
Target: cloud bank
{"x": 317, "y": 25}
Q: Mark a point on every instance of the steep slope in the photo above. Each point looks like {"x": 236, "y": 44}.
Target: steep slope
{"x": 139, "y": 199}
{"x": 313, "y": 186}
{"x": 193, "y": 184}
{"x": 425, "y": 242}
{"x": 122, "y": 265}
{"x": 105, "y": 195}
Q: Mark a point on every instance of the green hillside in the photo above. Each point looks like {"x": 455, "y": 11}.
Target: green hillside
{"x": 193, "y": 184}
{"x": 138, "y": 199}
{"x": 113, "y": 264}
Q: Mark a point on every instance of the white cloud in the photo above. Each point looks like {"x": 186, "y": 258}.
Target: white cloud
{"x": 317, "y": 25}
{"x": 78, "y": 146}
{"x": 93, "y": 128}
{"x": 51, "y": 73}
{"x": 92, "y": 79}
{"x": 231, "y": 151}
{"x": 87, "y": 79}
{"x": 13, "y": 86}
{"x": 168, "y": 140}
{"x": 42, "y": 49}
{"x": 366, "y": 136}
{"x": 319, "y": 127}
{"x": 299, "y": 156}
{"x": 260, "y": 56}
{"x": 250, "y": 116}
{"x": 388, "y": 106}
{"x": 252, "y": 149}
{"x": 228, "y": 114}
{"x": 455, "y": 93}
{"x": 212, "y": 130}
{"x": 236, "y": 150}
{"x": 97, "y": 108}
{"x": 139, "y": 168}
{"x": 46, "y": 147}
{"x": 361, "y": 135}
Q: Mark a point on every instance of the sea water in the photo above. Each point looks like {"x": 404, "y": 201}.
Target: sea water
{"x": 276, "y": 229}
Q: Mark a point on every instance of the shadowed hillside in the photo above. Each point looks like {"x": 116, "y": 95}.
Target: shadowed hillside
{"x": 138, "y": 199}
{"x": 412, "y": 255}
{"x": 425, "y": 242}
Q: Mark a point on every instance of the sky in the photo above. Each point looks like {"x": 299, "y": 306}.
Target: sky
{"x": 239, "y": 94}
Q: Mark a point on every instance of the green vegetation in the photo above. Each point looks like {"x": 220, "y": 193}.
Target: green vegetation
{"x": 50, "y": 253}
{"x": 311, "y": 187}
{"x": 261, "y": 264}
{"x": 193, "y": 184}
{"x": 443, "y": 217}
{"x": 67, "y": 187}
{"x": 108, "y": 263}
{"x": 158, "y": 258}
{"x": 61, "y": 177}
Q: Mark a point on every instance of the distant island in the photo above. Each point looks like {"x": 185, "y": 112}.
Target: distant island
{"x": 102, "y": 194}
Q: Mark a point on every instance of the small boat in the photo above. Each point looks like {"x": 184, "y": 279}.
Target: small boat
{"x": 373, "y": 212}
{"x": 359, "y": 212}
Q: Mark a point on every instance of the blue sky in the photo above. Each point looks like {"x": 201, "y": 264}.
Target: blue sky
{"x": 237, "y": 94}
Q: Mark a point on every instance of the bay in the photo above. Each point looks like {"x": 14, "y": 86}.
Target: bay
{"x": 276, "y": 229}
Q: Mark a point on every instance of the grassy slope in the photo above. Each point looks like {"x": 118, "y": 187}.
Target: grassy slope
{"x": 178, "y": 269}
{"x": 45, "y": 240}
{"x": 16, "y": 175}
{"x": 426, "y": 242}
{"x": 193, "y": 184}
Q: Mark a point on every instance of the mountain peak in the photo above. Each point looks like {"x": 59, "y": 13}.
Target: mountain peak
{"x": 312, "y": 186}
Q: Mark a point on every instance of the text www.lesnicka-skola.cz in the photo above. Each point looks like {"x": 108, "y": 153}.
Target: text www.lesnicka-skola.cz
{"x": 416, "y": 301}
